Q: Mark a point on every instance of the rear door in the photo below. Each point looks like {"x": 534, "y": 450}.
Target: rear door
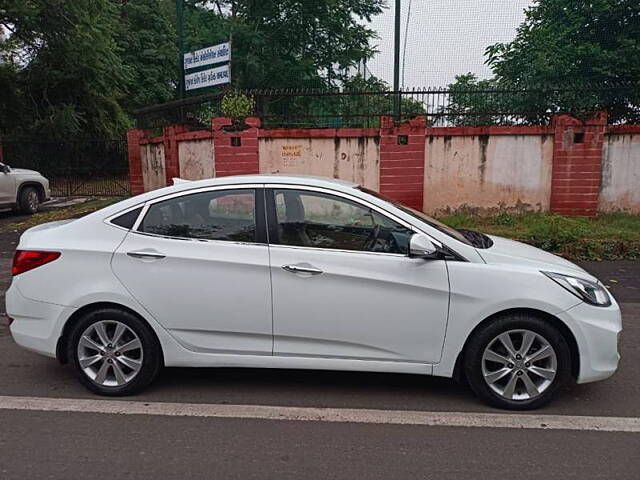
{"x": 199, "y": 263}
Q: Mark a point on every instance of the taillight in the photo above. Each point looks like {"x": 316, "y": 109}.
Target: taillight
{"x": 25, "y": 260}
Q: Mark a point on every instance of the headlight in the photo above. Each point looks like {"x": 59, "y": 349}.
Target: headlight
{"x": 591, "y": 292}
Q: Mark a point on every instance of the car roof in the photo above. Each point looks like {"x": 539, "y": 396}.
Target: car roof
{"x": 276, "y": 178}
{"x": 183, "y": 186}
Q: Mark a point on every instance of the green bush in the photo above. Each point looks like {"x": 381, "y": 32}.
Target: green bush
{"x": 504, "y": 218}
{"x": 460, "y": 220}
{"x": 609, "y": 236}
{"x": 555, "y": 232}
{"x": 237, "y": 105}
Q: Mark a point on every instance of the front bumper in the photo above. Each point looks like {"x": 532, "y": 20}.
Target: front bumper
{"x": 597, "y": 332}
{"x": 36, "y": 325}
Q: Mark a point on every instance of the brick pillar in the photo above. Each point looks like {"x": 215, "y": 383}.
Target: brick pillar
{"x": 236, "y": 153}
{"x": 172, "y": 163}
{"x": 135, "y": 160}
{"x": 402, "y": 151}
{"x": 577, "y": 164}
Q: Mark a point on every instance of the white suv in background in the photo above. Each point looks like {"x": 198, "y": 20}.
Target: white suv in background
{"x": 22, "y": 189}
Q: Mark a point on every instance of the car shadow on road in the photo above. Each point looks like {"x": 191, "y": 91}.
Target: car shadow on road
{"x": 317, "y": 388}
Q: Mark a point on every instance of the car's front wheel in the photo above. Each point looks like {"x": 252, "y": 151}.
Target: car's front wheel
{"x": 517, "y": 362}
{"x": 114, "y": 352}
{"x": 29, "y": 200}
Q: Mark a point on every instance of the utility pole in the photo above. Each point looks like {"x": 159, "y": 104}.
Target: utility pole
{"x": 180, "y": 31}
{"x": 396, "y": 64}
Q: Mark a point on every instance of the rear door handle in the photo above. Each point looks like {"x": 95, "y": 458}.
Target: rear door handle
{"x": 300, "y": 269}
{"x": 149, "y": 255}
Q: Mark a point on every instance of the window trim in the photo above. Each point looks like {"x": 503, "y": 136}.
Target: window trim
{"x": 272, "y": 226}
{"x": 261, "y": 235}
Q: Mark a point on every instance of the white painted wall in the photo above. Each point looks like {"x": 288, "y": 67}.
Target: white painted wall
{"x": 351, "y": 159}
{"x": 620, "y": 188}
{"x": 484, "y": 173}
{"x": 196, "y": 159}
{"x": 153, "y": 166}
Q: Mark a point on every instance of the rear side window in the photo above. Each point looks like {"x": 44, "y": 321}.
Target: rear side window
{"x": 219, "y": 215}
{"x": 127, "y": 220}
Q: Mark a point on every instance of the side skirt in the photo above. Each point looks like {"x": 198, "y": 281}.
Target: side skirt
{"x": 193, "y": 359}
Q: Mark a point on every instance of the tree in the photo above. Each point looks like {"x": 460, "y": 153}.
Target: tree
{"x": 286, "y": 43}
{"x": 568, "y": 41}
{"x": 471, "y": 102}
{"x": 62, "y": 68}
{"x": 71, "y": 68}
{"x": 148, "y": 45}
{"x": 568, "y": 55}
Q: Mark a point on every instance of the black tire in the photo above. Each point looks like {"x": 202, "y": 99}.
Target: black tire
{"x": 473, "y": 360}
{"x": 151, "y": 351}
{"x": 29, "y": 201}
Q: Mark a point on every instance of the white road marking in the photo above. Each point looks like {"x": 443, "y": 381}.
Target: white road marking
{"x": 311, "y": 414}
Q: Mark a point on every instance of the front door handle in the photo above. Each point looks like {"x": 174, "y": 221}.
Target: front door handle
{"x": 149, "y": 255}
{"x": 310, "y": 270}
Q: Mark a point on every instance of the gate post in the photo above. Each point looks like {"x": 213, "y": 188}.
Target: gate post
{"x": 171, "y": 160}
{"x": 235, "y": 152}
{"x": 577, "y": 164}
{"x": 134, "y": 137}
{"x": 402, "y": 156}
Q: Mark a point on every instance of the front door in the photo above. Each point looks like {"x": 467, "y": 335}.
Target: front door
{"x": 344, "y": 285}
{"x": 199, "y": 263}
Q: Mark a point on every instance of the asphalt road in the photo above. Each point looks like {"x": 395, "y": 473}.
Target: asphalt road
{"x": 54, "y": 444}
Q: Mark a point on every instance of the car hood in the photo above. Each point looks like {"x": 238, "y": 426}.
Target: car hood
{"x": 506, "y": 251}
{"x": 23, "y": 171}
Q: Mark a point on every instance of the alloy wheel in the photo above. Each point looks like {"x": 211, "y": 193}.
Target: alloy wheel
{"x": 32, "y": 200}
{"x": 519, "y": 364}
{"x": 110, "y": 353}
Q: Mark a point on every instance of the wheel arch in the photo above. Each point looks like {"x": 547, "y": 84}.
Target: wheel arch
{"x": 61, "y": 346}
{"x": 31, "y": 183}
{"x": 458, "y": 371}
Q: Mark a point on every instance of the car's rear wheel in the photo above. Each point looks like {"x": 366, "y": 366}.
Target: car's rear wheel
{"x": 517, "y": 362}
{"x": 29, "y": 200}
{"x": 114, "y": 352}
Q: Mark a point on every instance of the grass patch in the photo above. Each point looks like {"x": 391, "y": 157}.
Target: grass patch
{"x": 610, "y": 236}
{"x": 57, "y": 214}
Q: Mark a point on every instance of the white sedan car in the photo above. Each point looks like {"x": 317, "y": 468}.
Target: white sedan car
{"x": 300, "y": 272}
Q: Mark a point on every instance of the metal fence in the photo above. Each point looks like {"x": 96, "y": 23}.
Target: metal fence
{"x": 74, "y": 168}
{"x": 460, "y": 106}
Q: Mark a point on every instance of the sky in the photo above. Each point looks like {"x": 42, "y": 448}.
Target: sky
{"x": 445, "y": 38}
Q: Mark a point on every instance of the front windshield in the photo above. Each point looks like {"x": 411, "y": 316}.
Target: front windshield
{"x": 423, "y": 217}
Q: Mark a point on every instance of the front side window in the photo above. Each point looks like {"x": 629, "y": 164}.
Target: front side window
{"x": 311, "y": 219}
{"x": 217, "y": 215}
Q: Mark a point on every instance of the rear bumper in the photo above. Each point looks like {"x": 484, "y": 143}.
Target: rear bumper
{"x": 597, "y": 332}
{"x": 36, "y": 325}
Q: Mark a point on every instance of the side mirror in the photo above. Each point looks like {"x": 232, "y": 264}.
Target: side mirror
{"x": 420, "y": 246}
{"x": 5, "y": 168}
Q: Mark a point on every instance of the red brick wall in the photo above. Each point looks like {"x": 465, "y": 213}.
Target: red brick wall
{"x": 577, "y": 164}
{"x": 402, "y": 165}
{"x": 135, "y": 160}
{"x": 235, "y": 160}
{"x": 172, "y": 165}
